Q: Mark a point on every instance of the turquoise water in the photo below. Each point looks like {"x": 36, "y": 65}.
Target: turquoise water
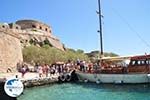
{"x": 87, "y": 91}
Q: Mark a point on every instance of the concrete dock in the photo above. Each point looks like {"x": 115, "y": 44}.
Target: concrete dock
{"x": 30, "y": 79}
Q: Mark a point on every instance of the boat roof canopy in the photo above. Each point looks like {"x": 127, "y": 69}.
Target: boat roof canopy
{"x": 121, "y": 58}
{"x": 118, "y": 58}
{"x": 141, "y": 57}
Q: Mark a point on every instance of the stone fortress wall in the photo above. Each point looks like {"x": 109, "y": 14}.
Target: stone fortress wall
{"x": 12, "y": 34}
{"x": 27, "y": 29}
{"x": 33, "y": 25}
{"x": 10, "y": 48}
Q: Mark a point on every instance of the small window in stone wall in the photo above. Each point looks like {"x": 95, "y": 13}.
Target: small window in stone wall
{"x": 26, "y": 41}
{"x": 50, "y": 31}
{"x": 33, "y": 26}
{"x": 17, "y": 27}
{"x": 40, "y": 27}
{"x": 45, "y": 29}
{"x": 3, "y": 26}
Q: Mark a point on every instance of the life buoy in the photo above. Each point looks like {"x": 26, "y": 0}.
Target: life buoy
{"x": 85, "y": 80}
{"x": 62, "y": 78}
{"x": 148, "y": 75}
{"x": 68, "y": 77}
{"x": 118, "y": 82}
{"x": 98, "y": 81}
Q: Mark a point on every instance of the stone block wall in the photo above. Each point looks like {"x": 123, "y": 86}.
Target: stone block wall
{"x": 10, "y": 52}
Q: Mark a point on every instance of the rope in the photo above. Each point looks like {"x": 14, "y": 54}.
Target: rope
{"x": 130, "y": 27}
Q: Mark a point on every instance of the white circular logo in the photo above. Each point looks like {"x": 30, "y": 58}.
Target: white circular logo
{"x": 13, "y": 87}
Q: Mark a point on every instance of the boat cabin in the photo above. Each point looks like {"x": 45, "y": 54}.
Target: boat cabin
{"x": 139, "y": 64}
{"x": 125, "y": 65}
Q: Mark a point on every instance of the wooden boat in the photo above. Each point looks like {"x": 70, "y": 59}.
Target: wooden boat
{"x": 131, "y": 69}
{"x": 116, "y": 69}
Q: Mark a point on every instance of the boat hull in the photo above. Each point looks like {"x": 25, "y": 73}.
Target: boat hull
{"x": 114, "y": 78}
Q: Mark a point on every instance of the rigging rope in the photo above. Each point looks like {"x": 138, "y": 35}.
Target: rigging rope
{"x": 130, "y": 27}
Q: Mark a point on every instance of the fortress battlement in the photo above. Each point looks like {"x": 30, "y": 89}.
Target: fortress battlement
{"x": 17, "y": 35}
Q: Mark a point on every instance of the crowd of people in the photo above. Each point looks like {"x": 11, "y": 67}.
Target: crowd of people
{"x": 46, "y": 70}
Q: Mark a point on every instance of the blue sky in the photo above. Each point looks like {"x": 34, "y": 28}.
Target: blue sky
{"x": 75, "y": 22}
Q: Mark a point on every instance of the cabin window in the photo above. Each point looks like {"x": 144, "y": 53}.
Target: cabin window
{"x": 147, "y": 62}
{"x": 143, "y": 62}
{"x": 139, "y": 63}
{"x": 133, "y": 63}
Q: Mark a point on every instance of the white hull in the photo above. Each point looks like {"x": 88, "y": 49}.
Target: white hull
{"x": 114, "y": 78}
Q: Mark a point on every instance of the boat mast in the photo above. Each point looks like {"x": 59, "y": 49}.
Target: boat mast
{"x": 100, "y": 29}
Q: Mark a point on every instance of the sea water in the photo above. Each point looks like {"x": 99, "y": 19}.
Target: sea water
{"x": 87, "y": 91}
